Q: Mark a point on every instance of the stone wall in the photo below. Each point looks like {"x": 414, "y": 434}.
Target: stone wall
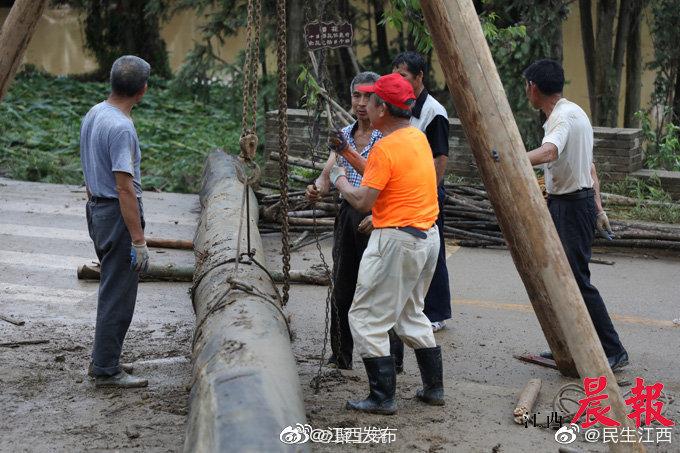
{"x": 618, "y": 152}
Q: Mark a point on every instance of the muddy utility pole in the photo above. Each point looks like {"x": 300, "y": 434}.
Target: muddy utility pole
{"x": 245, "y": 388}
{"x": 523, "y": 216}
{"x": 15, "y": 35}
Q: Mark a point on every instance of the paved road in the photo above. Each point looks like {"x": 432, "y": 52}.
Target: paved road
{"x": 51, "y": 405}
{"x": 493, "y": 320}
{"x": 47, "y": 401}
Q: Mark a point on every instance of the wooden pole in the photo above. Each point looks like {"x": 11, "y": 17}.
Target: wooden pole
{"x": 512, "y": 188}
{"x": 15, "y": 35}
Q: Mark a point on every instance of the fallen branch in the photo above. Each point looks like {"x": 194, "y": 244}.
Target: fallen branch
{"x": 155, "y": 273}
{"x": 16, "y": 344}
{"x": 310, "y": 222}
{"x": 169, "y": 243}
{"x": 320, "y": 238}
{"x": 620, "y": 200}
{"x": 315, "y": 275}
{"x": 311, "y": 213}
{"x": 12, "y": 321}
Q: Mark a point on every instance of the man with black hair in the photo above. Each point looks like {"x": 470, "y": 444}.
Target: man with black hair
{"x": 111, "y": 157}
{"x": 566, "y": 154}
{"x": 430, "y": 116}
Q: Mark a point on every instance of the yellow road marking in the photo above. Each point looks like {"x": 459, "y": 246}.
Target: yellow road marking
{"x": 528, "y": 308}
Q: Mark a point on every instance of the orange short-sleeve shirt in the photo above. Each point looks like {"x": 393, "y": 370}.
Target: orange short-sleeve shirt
{"x": 400, "y": 166}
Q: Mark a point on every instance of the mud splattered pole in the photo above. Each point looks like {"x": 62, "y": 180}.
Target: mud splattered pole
{"x": 245, "y": 388}
{"x": 522, "y": 214}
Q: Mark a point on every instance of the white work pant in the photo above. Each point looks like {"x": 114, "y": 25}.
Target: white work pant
{"x": 394, "y": 275}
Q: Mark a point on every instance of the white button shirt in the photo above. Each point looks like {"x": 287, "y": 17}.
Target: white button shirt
{"x": 569, "y": 129}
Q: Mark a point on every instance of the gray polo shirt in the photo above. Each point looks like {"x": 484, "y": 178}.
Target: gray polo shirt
{"x": 109, "y": 143}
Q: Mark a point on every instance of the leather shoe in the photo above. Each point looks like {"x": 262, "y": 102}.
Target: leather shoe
{"x": 547, "y": 355}
{"x": 127, "y": 367}
{"x": 615, "y": 361}
{"x": 120, "y": 380}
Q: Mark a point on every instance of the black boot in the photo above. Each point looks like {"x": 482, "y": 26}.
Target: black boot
{"x": 397, "y": 351}
{"x": 430, "y": 364}
{"x": 382, "y": 380}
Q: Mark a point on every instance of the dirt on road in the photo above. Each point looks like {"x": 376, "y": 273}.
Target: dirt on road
{"x": 49, "y": 404}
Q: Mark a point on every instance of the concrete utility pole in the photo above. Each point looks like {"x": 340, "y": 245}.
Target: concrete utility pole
{"x": 245, "y": 387}
{"x": 522, "y": 213}
{"x": 15, "y": 35}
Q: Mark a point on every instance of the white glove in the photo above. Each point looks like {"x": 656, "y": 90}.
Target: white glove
{"x": 603, "y": 227}
{"x": 336, "y": 172}
{"x": 139, "y": 257}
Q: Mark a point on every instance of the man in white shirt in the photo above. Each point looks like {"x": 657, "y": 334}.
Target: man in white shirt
{"x": 566, "y": 154}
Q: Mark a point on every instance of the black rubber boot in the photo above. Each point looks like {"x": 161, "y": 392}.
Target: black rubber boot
{"x": 382, "y": 380}
{"x": 397, "y": 351}
{"x": 430, "y": 364}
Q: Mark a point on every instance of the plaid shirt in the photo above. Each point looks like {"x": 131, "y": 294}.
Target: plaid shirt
{"x": 352, "y": 175}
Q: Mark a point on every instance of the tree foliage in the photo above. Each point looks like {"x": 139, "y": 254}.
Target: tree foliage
{"x": 661, "y": 122}
{"x": 666, "y": 63}
{"x": 119, "y": 27}
{"x": 517, "y": 32}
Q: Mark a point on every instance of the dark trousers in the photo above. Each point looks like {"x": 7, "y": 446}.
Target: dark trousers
{"x": 575, "y": 222}
{"x": 117, "y": 286}
{"x": 348, "y": 248}
{"x": 438, "y": 297}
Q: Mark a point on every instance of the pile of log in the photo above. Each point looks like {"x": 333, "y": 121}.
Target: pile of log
{"x": 469, "y": 219}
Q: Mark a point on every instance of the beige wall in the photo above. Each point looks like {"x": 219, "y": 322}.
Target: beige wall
{"x": 57, "y": 47}
{"x": 575, "y": 70}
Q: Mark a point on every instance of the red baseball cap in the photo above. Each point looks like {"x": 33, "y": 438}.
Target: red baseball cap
{"x": 392, "y": 88}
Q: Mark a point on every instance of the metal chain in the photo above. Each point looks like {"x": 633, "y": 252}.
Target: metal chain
{"x": 283, "y": 142}
{"x": 330, "y": 295}
{"x": 250, "y": 79}
{"x": 315, "y": 136}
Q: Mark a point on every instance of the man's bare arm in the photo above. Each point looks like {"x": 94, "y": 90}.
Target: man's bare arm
{"x": 440, "y": 167}
{"x": 129, "y": 208}
{"x": 544, "y": 154}
{"x": 361, "y": 198}
{"x": 596, "y": 187}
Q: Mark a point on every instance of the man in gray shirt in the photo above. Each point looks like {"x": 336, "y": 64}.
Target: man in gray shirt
{"x": 110, "y": 157}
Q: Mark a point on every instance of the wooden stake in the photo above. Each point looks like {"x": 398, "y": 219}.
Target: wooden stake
{"x": 527, "y": 399}
{"x": 512, "y": 188}
{"x": 15, "y": 35}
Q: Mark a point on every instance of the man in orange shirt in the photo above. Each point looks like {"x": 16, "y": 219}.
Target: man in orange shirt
{"x": 399, "y": 186}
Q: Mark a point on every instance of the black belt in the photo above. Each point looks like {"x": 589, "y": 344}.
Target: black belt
{"x": 103, "y": 200}
{"x": 576, "y": 195}
{"x": 413, "y": 231}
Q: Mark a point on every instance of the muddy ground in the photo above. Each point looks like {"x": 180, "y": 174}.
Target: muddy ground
{"x": 49, "y": 404}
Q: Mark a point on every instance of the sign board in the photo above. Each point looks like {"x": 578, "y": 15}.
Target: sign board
{"x": 328, "y": 34}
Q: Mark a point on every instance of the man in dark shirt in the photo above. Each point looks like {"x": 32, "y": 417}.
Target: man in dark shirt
{"x": 429, "y": 116}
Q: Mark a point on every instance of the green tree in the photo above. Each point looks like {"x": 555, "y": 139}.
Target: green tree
{"x": 666, "y": 36}
{"x": 118, "y": 27}
{"x": 517, "y": 32}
